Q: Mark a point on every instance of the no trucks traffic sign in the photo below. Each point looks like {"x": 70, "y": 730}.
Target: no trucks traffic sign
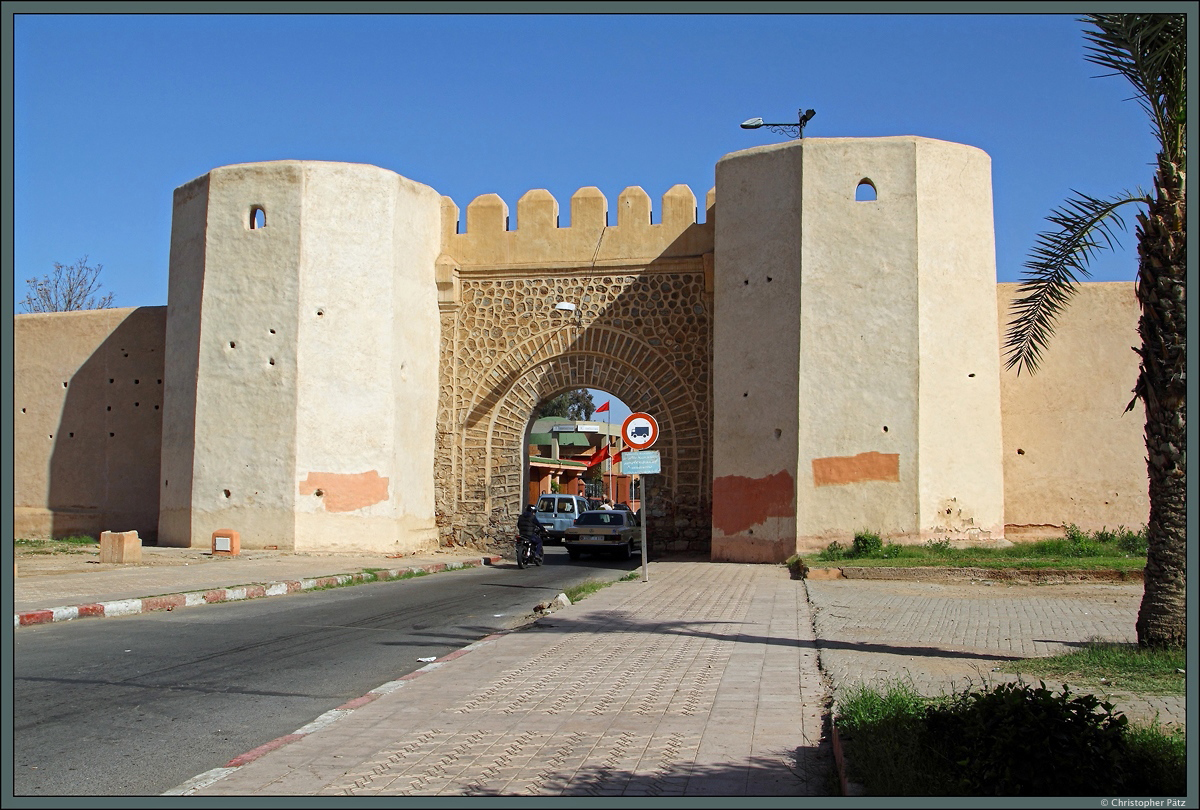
{"x": 640, "y": 430}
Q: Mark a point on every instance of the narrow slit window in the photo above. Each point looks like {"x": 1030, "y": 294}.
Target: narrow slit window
{"x": 258, "y": 217}
{"x": 865, "y": 191}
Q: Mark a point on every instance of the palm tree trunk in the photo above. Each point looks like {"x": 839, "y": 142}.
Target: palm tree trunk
{"x": 1162, "y": 619}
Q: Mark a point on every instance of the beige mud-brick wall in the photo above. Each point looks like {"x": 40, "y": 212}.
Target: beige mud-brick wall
{"x": 856, "y": 360}
{"x": 87, "y": 397}
{"x": 1071, "y": 452}
{"x": 642, "y": 333}
{"x": 302, "y": 382}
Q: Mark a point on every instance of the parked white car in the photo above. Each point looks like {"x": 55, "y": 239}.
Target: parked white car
{"x": 611, "y": 531}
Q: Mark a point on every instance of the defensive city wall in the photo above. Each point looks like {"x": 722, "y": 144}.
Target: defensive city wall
{"x": 346, "y": 363}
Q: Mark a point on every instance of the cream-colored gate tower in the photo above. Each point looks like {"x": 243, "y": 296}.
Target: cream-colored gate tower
{"x": 300, "y": 387}
{"x": 856, "y": 377}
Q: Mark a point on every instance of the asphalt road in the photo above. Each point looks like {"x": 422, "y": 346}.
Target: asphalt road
{"x": 138, "y": 705}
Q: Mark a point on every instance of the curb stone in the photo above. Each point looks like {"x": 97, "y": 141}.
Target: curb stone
{"x": 131, "y": 607}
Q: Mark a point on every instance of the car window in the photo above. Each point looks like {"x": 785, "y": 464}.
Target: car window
{"x": 546, "y": 505}
{"x": 605, "y": 518}
{"x": 566, "y": 505}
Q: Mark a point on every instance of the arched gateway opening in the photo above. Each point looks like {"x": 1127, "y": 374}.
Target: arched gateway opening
{"x": 640, "y": 329}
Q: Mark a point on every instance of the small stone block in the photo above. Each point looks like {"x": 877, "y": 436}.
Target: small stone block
{"x": 120, "y": 547}
{"x": 226, "y": 543}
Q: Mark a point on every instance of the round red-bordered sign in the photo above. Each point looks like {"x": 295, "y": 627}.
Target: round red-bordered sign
{"x": 640, "y": 430}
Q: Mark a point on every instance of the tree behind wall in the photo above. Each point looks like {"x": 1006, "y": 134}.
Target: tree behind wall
{"x": 70, "y": 288}
{"x": 576, "y": 405}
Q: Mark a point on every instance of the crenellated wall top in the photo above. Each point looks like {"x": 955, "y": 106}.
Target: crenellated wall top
{"x": 590, "y": 240}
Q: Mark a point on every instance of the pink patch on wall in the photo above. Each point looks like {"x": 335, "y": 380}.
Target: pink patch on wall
{"x": 346, "y": 492}
{"x": 739, "y": 502}
{"x": 854, "y": 469}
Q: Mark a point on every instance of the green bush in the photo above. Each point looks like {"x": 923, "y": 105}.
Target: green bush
{"x": 834, "y": 551}
{"x": 939, "y": 546}
{"x": 1017, "y": 740}
{"x": 1132, "y": 542}
{"x": 1010, "y": 740}
{"x": 866, "y": 544}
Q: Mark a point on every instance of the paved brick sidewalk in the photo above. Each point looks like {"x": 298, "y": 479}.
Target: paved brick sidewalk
{"x": 702, "y": 682}
{"x": 941, "y": 637}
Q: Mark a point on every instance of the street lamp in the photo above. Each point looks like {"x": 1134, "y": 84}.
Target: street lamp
{"x": 567, "y": 306}
{"x": 791, "y": 130}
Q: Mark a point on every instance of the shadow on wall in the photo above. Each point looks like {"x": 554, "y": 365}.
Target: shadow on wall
{"x": 104, "y": 466}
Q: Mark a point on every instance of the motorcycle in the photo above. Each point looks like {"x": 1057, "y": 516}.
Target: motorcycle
{"x": 525, "y": 553}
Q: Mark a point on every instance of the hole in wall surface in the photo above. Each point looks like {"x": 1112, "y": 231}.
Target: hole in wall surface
{"x": 258, "y": 217}
{"x": 71, "y": 435}
{"x": 22, "y": 410}
{"x": 885, "y": 430}
{"x": 320, "y": 313}
{"x": 778, "y": 433}
{"x": 227, "y": 493}
{"x": 319, "y": 492}
{"x": 1020, "y": 452}
{"x": 272, "y": 331}
{"x": 111, "y": 435}
{"x": 272, "y": 361}
{"x": 160, "y": 382}
{"x": 865, "y": 192}
{"x": 137, "y": 382}
{"x": 64, "y": 385}
{"x": 972, "y": 374}
{"x": 232, "y": 345}
{"x": 109, "y": 408}
{"x": 156, "y": 407}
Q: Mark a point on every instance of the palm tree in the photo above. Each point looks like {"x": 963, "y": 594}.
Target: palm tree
{"x": 1150, "y": 50}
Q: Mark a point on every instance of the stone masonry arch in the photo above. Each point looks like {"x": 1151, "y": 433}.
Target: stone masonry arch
{"x": 641, "y": 330}
{"x": 514, "y": 351}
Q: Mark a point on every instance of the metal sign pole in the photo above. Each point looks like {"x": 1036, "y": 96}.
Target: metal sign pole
{"x": 645, "y": 517}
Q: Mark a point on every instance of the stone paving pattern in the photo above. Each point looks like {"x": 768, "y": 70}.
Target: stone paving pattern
{"x": 703, "y": 681}
{"x": 945, "y": 637}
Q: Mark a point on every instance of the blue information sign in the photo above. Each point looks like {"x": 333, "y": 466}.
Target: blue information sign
{"x": 644, "y": 462}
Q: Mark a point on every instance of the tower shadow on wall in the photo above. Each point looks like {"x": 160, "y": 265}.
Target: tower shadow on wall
{"x": 104, "y": 468}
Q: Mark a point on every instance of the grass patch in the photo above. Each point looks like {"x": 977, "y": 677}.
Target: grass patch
{"x": 584, "y": 589}
{"x": 76, "y": 544}
{"x": 1121, "y": 549}
{"x": 589, "y": 587}
{"x": 1111, "y": 667}
{"x": 1006, "y": 740}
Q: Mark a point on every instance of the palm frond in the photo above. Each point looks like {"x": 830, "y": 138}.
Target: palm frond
{"x": 1084, "y": 225}
{"x": 1150, "y": 50}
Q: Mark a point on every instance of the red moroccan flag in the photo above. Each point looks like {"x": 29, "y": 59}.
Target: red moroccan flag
{"x": 617, "y": 457}
{"x": 602, "y": 408}
{"x": 598, "y": 456}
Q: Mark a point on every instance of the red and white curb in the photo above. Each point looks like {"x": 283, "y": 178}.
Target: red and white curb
{"x": 330, "y": 717}
{"x": 130, "y": 607}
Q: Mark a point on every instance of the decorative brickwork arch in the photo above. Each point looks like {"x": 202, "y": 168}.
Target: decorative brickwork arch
{"x": 641, "y": 329}
{"x": 644, "y": 337}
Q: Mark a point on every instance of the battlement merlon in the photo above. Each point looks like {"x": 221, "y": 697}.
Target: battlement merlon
{"x": 590, "y": 240}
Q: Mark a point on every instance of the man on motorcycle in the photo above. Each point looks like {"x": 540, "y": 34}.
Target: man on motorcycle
{"x": 529, "y": 527}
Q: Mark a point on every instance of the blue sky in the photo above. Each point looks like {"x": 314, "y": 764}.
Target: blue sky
{"x": 113, "y": 112}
